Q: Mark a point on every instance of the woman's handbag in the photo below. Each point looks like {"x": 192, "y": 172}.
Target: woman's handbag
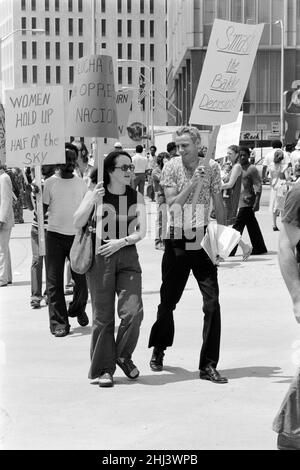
{"x": 82, "y": 250}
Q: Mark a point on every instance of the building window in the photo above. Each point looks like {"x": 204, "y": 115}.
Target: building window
{"x": 23, "y": 24}
{"x": 142, "y": 28}
{"x": 70, "y": 5}
{"x": 56, "y": 5}
{"x": 70, "y": 27}
{"x": 57, "y": 27}
{"x": 129, "y": 28}
{"x": 142, "y": 51}
{"x": 34, "y": 74}
{"x": 71, "y": 50}
{"x": 103, "y": 45}
{"x": 120, "y": 76}
{"x": 103, "y": 27}
{"x": 151, "y": 6}
{"x": 102, "y": 6}
{"x": 57, "y": 51}
{"x": 129, "y": 75}
{"x": 71, "y": 74}
{"x": 33, "y": 5}
{"x": 24, "y": 49}
{"x": 33, "y": 50}
{"x": 33, "y": 23}
{"x": 57, "y": 74}
{"x": 153, "y": 75}
{"x": 47, "y": 26}
{"x": 142, "y": 6}
{"x": 119, "y": 6}
{"x": 80, "y": 5}
{"x": 151, "y": 52}
{"x": 80, "y": 49}
{"x": 80, "y": 27}
{"x": 119, "y": 51}
{"x": 128, "y": 6}
{"x": 23, "y": 5}
{"x": 24, "y": 73}
{"x": 129, "y": 51}
{"x": 46, "y": 5}
{"x": 119, "y": 28}
{"x": 48, "y": 74}
{"x": 151, "y": 28}
{"x": 47, "y": 50}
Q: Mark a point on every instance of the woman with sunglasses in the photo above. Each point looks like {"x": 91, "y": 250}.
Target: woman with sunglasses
{"x": 116, "y": 269}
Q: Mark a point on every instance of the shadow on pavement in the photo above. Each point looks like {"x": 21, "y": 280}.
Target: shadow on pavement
{"x": 21, "y": 283}
{"x": 253, "y": 371}
{"x": 80, "y": 331}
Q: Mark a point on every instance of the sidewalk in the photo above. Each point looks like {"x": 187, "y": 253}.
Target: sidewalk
{"x": 47, "y": 401}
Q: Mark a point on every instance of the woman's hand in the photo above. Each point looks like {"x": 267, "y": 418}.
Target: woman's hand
{"x": 110, "y": 247}
{"x": 98, "y": 193}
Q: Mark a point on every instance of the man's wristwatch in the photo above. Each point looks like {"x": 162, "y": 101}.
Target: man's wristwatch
{"x": 126, "y": 241}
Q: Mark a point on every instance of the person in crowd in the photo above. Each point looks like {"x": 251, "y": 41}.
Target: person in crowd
{"x": 277, "y": 178}
{"x": 249, "y": 204}
{"x": 63, "y": 193}
{"x": 172, "y": 149}
{"x": 83, "y": 168}
{"x": 151, "y": 165}
{"x": 295, "y": 156}
{"x": 231, "y": 187}
{"x": 161, "y": 214}
{"x": 118, "y": 146}
{"x": 287, "y": 420}
{"x": 6, "y": 225}
{"x": 269, "y": 158}
{"x": 36, "y": 272}
{"x": 183, "y": 177}
{"x": 116, "y": 269}
{"x": 18, "y": 184}
{"x": 140, "y": 163}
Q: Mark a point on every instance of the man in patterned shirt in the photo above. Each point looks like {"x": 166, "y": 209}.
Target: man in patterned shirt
{"x": 182, "y": 177}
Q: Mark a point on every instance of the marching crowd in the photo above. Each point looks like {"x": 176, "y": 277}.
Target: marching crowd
{"x": 176, "y": 180}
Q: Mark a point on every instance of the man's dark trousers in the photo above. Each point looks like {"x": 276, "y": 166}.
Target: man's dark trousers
{"x": 246, "y": 218}
{"x": 58, "y": 248}
{"x": 176, "y": 265}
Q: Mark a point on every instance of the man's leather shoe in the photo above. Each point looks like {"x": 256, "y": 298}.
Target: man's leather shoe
{"x": 210, "y": 373}
{"x": 156, "y": 361}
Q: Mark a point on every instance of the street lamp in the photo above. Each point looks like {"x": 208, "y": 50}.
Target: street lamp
{"x": 150, "y": 94}
{"x": 3, "y": 38}
{"x": 282, "y": 133}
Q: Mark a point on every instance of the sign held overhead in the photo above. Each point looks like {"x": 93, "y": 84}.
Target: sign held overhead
{"x": 226, "y": 70}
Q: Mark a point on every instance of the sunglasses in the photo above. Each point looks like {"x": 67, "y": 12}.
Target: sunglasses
{"x": 126, "y": 167}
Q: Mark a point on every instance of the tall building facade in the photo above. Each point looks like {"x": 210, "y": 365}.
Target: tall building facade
{"x": 132, "y": 32}
{"x": 189, "y": 26}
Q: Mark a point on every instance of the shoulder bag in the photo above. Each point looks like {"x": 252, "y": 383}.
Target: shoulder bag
{"x": 82, "y": 250}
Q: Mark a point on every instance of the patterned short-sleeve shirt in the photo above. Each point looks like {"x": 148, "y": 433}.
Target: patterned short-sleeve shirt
{"x": 176, "y": 175}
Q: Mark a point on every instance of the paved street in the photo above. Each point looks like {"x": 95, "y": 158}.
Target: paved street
{"x": 47, "y": 401}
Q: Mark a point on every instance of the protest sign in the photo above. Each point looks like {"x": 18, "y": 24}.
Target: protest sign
{"x": 226, "y": 70}
{"x": 123, "y": 101}
{"x": 92, "y": 110}
{"x": 229, "y": 134}
{"x": 34, "y": 126}
{"x": 2, "y": 134}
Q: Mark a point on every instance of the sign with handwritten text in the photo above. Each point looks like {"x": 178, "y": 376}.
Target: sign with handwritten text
{"x": 226, "y": 71}
{"x": 92, "y": 109}
{"x": 2, "y": 134}
{"x": 34, "y": 126}
{"x": 123, "y": 101}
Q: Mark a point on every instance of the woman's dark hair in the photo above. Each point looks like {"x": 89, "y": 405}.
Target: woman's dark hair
{"x": 108, "y": 167}
{"x": 139, "y": 149}
{"x": 160, "y": 159}
{"x": 69, "y": 146}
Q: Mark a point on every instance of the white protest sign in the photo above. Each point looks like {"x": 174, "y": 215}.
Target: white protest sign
{"x": 2, "y": 134}
{"x": 35, "y": 126}
{"x": 226, "y": 71}
{"x": 229, "y": 134}
{"x": 123, "y": 101}
{"x": 92, "y": 110}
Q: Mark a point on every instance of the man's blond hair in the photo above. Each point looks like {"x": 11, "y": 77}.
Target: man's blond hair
{"x": 193, "y": 132}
